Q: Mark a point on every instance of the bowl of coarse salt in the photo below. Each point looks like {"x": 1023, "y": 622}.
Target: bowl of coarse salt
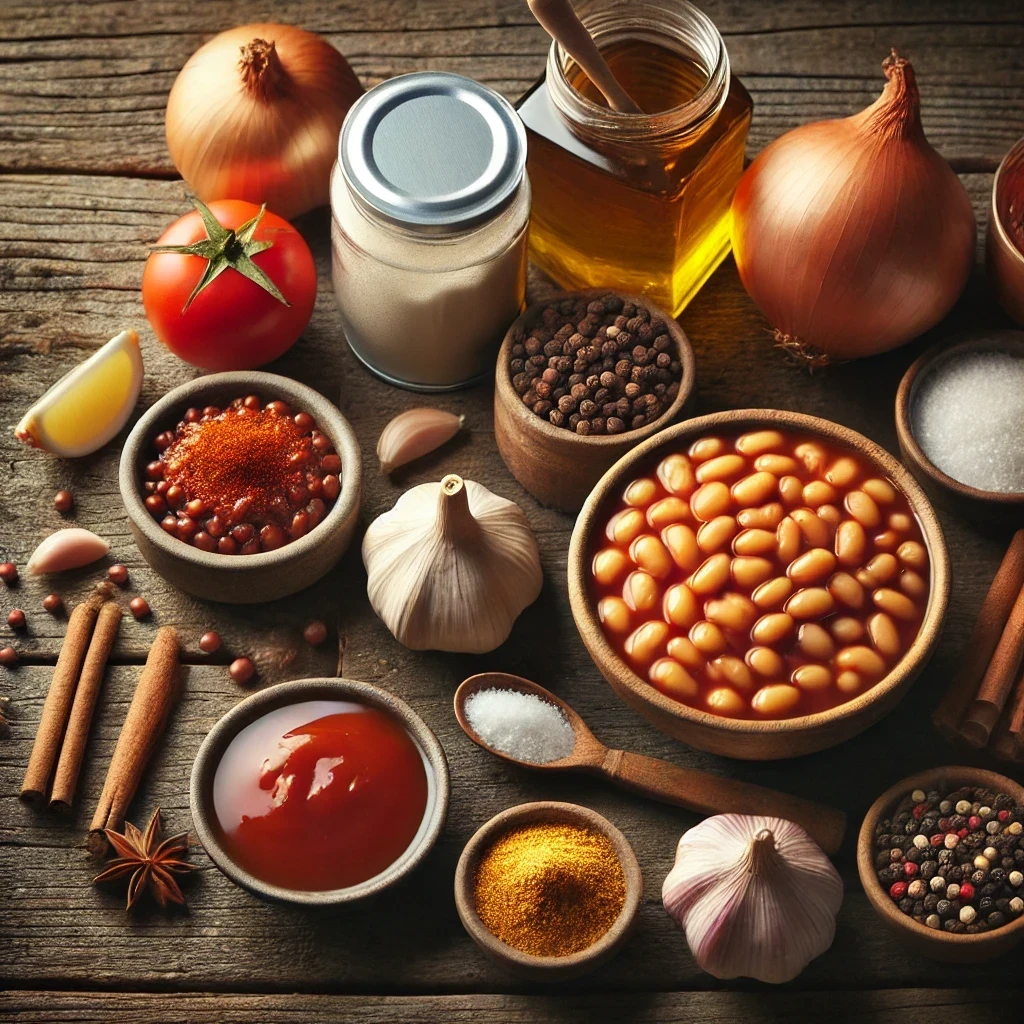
{"x": 960, "y": 423}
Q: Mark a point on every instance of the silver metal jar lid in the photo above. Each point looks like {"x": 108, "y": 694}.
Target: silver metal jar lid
{"x": 433, "y": 151}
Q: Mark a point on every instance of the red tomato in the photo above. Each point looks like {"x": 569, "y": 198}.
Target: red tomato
{"x": 233, "y": 323}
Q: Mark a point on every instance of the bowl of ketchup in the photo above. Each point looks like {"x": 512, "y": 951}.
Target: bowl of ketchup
{"x": 319, "y": 791}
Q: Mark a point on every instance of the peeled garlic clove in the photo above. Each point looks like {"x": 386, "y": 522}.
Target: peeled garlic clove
{"x": 755, "y": 895}
{"x": 67, "y": 549}
{"x": 451, "y": 567}
{"x": 413, "y": 434}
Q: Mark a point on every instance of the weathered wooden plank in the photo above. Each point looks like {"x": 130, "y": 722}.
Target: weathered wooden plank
{"x": 92, "y": 98}
{"x": 895, "y": 1006}
{"x": 71, "y": 255}
{"x": 57, "y": 926}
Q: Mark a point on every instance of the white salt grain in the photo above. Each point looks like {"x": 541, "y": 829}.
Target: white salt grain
{"x": 521, "y": 725}
{"x": 968, "y": 418}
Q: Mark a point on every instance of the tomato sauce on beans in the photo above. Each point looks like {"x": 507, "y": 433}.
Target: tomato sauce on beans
{"x": 766, "y": 575}
{"x": 241, "y": 480}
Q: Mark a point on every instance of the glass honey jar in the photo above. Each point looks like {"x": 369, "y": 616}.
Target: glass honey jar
{"x": 639, "y": 202}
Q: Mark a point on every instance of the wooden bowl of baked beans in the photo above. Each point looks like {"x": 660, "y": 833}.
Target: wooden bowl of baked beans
{"x": 759, "y": 583}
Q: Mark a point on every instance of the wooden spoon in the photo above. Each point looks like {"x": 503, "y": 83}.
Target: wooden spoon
{"x": 559, "y": 20}
{"x": 685, "y": 787}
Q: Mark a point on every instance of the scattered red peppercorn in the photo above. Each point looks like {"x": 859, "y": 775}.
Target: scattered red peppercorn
{"x": 938, "y": 839}
{"x": 8, "y": 656}
{"x": 210, "y": 642}
{"x": 16, "y": 619}
{"x": 139, "y": 607}
{"x": 8, "y": 573}
{"x": 963, "y": 833}
{"x": 53, "y": 604}
{"x": 898, "y": 890}
{"x": 241, "y": 670}
{"x": 63, "y": 502}
{"x": 918, "y": 811}
{"x": 966, "y": 890}
{"x": 1003, "y": 815}
{"x": 909, "y": 869}
{"x": 973, "y": 822}
{"x": 315, "y": 633}
{"x": 118, "y": 574}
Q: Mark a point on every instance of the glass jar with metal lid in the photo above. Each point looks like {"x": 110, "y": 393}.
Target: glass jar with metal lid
{"x": 431, "y": 204}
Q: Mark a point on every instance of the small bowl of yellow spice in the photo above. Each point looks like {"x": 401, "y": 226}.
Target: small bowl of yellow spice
{"x": 548, "y": 890}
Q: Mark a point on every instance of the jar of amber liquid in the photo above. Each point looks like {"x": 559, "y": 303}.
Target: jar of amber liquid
{"x": 638, "y": 202}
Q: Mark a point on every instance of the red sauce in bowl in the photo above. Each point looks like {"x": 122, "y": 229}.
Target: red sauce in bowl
{"x": 320, "y": 795}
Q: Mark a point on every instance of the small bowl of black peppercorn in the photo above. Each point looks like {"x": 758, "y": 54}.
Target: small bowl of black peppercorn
{"x": 941, "y": 859}
{"x": 582, "y": 378}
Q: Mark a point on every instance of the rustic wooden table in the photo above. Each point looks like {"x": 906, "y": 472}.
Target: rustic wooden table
{"x": 86, "y": 187}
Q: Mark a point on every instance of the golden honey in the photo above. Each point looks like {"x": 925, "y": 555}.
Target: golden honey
{"x": 637, "y": 201}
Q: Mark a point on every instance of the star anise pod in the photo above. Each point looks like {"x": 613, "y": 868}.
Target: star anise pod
{"x": 151, "y": 862}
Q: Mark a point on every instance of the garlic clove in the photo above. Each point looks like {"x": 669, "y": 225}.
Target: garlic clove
{"x": 755, "y": 895}
{"x": 67, "y": 549}
{"x": 451, "y": 567}
{"x": 415, "y": 433}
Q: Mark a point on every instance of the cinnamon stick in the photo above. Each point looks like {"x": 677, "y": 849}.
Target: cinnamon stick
{"x": 59, "y": 697}
{"x": 988, "y": 628}
{"x": 998, "y": 680}
{"x": 1008, "y": 739}
{"x": 155, "y": 694}
{"x": 87, "y": 692}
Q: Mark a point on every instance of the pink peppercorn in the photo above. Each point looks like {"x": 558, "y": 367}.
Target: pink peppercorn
{"x": 963, "y": 833}
{"x": 1003, "y": 815}
{"x": 938, "y": 839}
{"x": 944, "y": 824}
{"x": 918, "y": 811}
{"x": 909, "y": 869}
{"x": 973, "y": 822}
{"x": 966, "y": 890}
{"x": 898, "y": 890}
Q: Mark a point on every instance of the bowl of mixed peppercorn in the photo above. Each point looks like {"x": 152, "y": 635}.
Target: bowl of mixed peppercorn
{"x": 582, "y": 377}
{"x": 941, "y": 858}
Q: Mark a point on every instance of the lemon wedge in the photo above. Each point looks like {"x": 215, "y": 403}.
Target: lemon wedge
{"x": 89, "y": 405}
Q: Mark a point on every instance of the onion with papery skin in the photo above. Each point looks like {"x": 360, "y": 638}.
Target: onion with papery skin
{"x": 255, "y": 114}
{"x": 854, "y": 236}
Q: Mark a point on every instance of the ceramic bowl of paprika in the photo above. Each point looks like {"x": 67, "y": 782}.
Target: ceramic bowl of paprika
{"x": 527, "y": 965}
{"x": 555, "y": 464}
{"x": 283, "y": 695}
{"x": 935, "y": 943}
{"x": 265, "y": 575}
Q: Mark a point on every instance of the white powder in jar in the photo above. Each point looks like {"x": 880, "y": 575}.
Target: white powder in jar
{"x": 968, "y": 417}
{"x": 522, "y": 725}
{"x": 428, "y": 310}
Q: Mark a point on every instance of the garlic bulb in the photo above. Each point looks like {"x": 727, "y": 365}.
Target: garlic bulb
{"x": 756, "y": 896}
{"x": 451, "y": 566}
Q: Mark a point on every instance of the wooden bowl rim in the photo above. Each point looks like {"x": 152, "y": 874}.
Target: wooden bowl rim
{"x": 608, "y": 660}
{"x": 1014, "y": 157}
{"x": 928, "y": 362}
{"x": 930, "y": 778}
{"x": 534, "y": 813}
{"x": 248, "y": 710}
{"x": 328, "y": 418}
{"x": 529, "y": 420}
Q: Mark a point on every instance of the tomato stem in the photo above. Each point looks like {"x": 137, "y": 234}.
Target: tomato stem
{"x": 226, "y": 248}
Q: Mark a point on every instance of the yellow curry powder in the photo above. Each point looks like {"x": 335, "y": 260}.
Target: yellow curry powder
{"x": 550, "y": 890}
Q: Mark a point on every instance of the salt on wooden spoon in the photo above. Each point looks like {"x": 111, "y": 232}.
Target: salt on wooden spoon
{"x": 697, "y": 791}
{"x": 559, "y": 20}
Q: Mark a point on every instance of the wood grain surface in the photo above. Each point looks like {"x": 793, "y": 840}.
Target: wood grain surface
{"x": 85, "y": 187}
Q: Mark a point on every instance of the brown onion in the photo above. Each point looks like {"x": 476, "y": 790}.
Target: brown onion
{"x": 854, "y": 236}
{"x": 255, "y": 114}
